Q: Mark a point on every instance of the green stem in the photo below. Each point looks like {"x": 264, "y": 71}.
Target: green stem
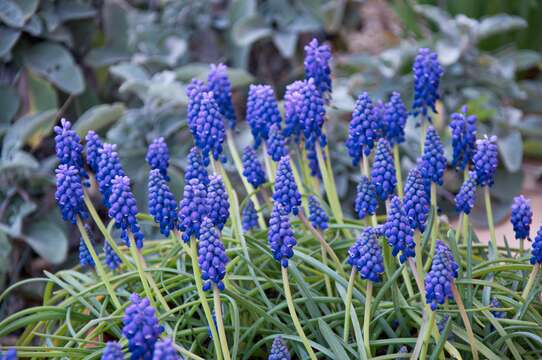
{"x": 531, "y": 281}
{"x": 489, "y": 212}
{"x": 220, "y": 324}
{"x": 434, "y": 229}
{"x": 398, "y": 175}
{"x": 268, "y": 164}
{"x": 419, "y": 262}
{"x": 367, "y": 317}
{"x": 417, "y": 278}
{"x": 293, "y": 314}
{"x": 331, "y": 191}
{"x": 427, "y": 333}
{"x": 299, "y": 184}
{"x": 99, "y": 268}
{"x": 464, "y": 316}
{"x": 348, "y": 305}
{"x": 140, "y": 269}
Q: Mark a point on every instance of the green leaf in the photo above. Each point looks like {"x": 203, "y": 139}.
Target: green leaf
{"x": 8, "y": 39}
{"x": 5, "y": 251}
{"x": 129, "y": 72}
{"x": 106, "y": 56}
{"x": 98, "y": 117}
{"x": 511, "y": 149}
{"x": 498, "y": 24}
{"x": 11, "y": 14}
{"x": 285, "y": 42}
{"x": 28, "y": 7}
{"x": 48, "y": 240}
{"x": 249, "y": 30}
{"x": 56, "y": 64}
{"x": 333, "y": 341}
{"x": 9, "y": 103}
{"x": 34, "y": 26}
{"x": 41, "y": 95}
{"x": 72, "y": 10}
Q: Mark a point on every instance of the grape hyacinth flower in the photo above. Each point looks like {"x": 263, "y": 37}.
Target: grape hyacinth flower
{"x": 395, "y": 117}
{"x": 69, "y": 150}
{"x": 218, "y": 205}
{"x": 209, "y": 128}
{"x": 496, "y": 304}
{"x": 219, "y": 83}
{"x": 69, "y": 193}
{"x": 192, "y": 209}
{"x": 438, "y": 282}
{"x": 364, "y": 129}
{"x": 262, "y": 112}
{"x": 124, "y": 210}
{"x": 194, "y": 92}
{"x": 109, "y": 167}
{"x": 286, "y": 192}
{"x": 365, "y": 203}
{"x": 94, "y": 144}
{"x": 317, "y": 215}
{"x": 522, "y": 217}
{"x": 276, "y": 144}
{"x": 485, "y": 160}
{"x": 250, "y": 217}
{"x": 398, "y": 231}
{"x": 292, "y": 98}
{"x": 312, "y": 157}
{"x": 433, "y": 162}
{"x": 162, "y": 203}
{"x": 280, "y": 235}
{"x": 316, "y": 63}
{"x": 85, "y": 259}
{"x": 195, "y": 168}
{"x": 112, "y": 351}
{"x": 427, "y": 73}
{"x": 311, "y": 113}
{"x": 366, "y": 256}
{"x": 112, "y": 260}
{"x": 279, "y": 351}
{"x": 463, "y": 129}
{"x": 416, "y": 200}
{"x": 252, "y": 168}
{"x": 141, "y": 328}
{"x": 383, "y": 171}
{"x": 11, "y": 354}
{"x": 158, "y": 156}
{"x": 464, "y": 200}
{"x": 164, "y": 350}
{"x": 536, "y": 250}
{"x": 212, "y": 256}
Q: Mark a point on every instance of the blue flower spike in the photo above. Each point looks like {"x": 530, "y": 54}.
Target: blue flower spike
{"x": 364, "y": 129}
{"x": 463, "y": 129}
{"x": 69, "y": 150}
{"x": 218, "y": 205}
{"x": 536, "y": 250}
{"x": 276, "y": 144}
{"x": 395, "y": 117}
{"x": 496, "y": 304}
{"x": 366, "y": 256}
{"x": 485, "y": 160}
{"x": 427, "y": 73}
{"x": 112, "y": 351}
{"x": 262, "y": 112}
{"x": 69, "y": 193}
{"x": 158, "y": 156}
{"x": 252, "y": 168}
{"x": 109, "y": 166}
{"x": 416, "y": 201}
{"x": 11, "y": 354}
{"x": 112, "y": 260}
{"x": 164, "y": 350}
{"x": 280, "y": 235}
{"x": 433, "y": 163}
{"x": 465, "y": 198}
{"x": 317, "y": 215}
{"x": 249, "y": 217}
{"x": 212, "y": 256}
{"x": 162, "y": 203}
{"x": 194, "y": 92}
{"x": 93, "y": 146}
{"x": 209, "y": 128}
{"x": 398, "y": 232}
{"x": 317, "y": 58}
{"x": 366, "y": 202}
{"x": 522, "y": 217}
{"x": 293, "y": 100}
{"x": 383, "y": 171}
{"x": 286, "y": 192}
{"x": 195, "y": 168}
{"x": 192, "y": 209}
{"x": 124, "y": 210}
{"x": 279, "y": 351}
{"x": 438, "y": 282}
{"x": 85, "y": 259}
{"x": 219, "y": 83}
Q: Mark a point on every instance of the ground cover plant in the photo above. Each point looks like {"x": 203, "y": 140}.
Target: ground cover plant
{"x": 273, "y": 269}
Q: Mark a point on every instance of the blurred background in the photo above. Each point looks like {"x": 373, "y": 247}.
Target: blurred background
{"x": 120, "y": 67}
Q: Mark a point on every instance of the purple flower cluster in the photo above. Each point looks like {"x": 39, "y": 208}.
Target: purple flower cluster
{"x": 219, "y": 83}
{"x": 438, "y": 282}
{"x": 195, "y": 168}
{"x": 209, "y": 126}
{"x": 286, "y": 192}
{"x": 85, "y": 259}
{"x": 485, "y": 160}
{"x": 194, "y": 92}
{"x": 427, "y": 73}
{"x": 395, "y": 117}
{"x": 109, "y": 167}
{"x": 164, "y": 350}
{"x": 250, "y": 217}
{"x": 158, "y": 156}
{"x": 522, "y": 217}
{"x": 464, "y": 200}
{"x": 252, "y": 168}
{"x": 276, "y": 144}
{"x": 433, "y": 162}
{"x": 69, "y": 150}
{"x": 316, "y": 63}
{"x": 262, "y": 112}
{"x": 398, "y": 231}
{"x": 124, "y": 210}
{"x": 463, "y": 128}
{"x": 11, "y": 354}
{"x": 218, "y": 206}
{"x": 112, "y": 351}
{"x": 496, "y": 304}
{"x": 94, "y": 144}
{"x": 292, "y": 97}
{"x": 536, "y": 250}
{"x": 364, "y": 129}
{"x": 317, "y": 215}
{"x": 366, "y": 256}
{"x": 162, "y": 203}
{"x": 69, "y": 193}
{"x": 280, "y": 235}
{"x": 192, "y": 209}
{"x": 279, "y": 351}
{"x": 112, "y": 260}
{"x": 365, "y": 203}
{"x": 383, "y": 171}
{"x": 416, "y": 200}
{"x": 311, "y": 113}
{"x": 212, "y": 256}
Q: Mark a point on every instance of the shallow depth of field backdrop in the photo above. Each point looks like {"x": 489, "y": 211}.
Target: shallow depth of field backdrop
{"x": 121, "y": 68}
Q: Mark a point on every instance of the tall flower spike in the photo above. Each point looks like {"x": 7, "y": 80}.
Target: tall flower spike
{"x": 158, "y": 156}
{"x": 395, "y": 117}
{"x": 276, "y": 144}
{"x": 364, "y": 129}
{"x": 141, "y": 328}
{"x": 316, "y": 63}
{"x": 250, "y": 217}
{"x": 366, "y": 256}
{"x": 195, "y": 168}
{"x": 416, "y": 200}
{"x": 162, "y": 203}
{"x": 109, "y": 167}
{"x": 85, "y": 259}
{"x": 427, "y": 73}
{"x": 398, "y": 231}
{"x": 252, "y": 168}
{"x": 212, "y": 256}
{"x": 218, "y": 205}
{"x": 192, "y": 209}
{"x": 112, "y": 260}
{"x": 536, "y": 250}
{"x": 112, "y": 351}
{"x": 383, "y": 171}
{"x": 11, "y": 354}
{"x": 463, "y": 129}
{"x": 280, "y": 235}
{"x": 209, "y": 128}
{"x": 69, "y": 150}
{"x": 496, "y": 304}
{"x": 438, "y": 282}
{"x": 279, "y": 351}
{"x": 94, "y": 144}
{"x": 433, "y": 161}
{"x": 522, "y": 216}
{"x": 292, "y": 100}
{"x": 286, "y": 192}
{"x": 365, "y": 203}
{"x": 311, "y": 114}
{"x": 464, "y": 200}
{"x": 69, "y": 193}
{"x": 317, "y": 215}
{"x": 219, "y": 83}
{"x": 164, "y": 350}
{"x": 485, "y": 160}
{"x": 194, "y": 93}
{"x": 262, "y": 111}
{"x": 124, "y": 210}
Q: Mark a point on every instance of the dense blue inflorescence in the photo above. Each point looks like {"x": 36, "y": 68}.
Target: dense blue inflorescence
{"x": 438, "y": 282}
{"x": 164, "y": 350}
{"x": 496, "y": 304}
{"x": 262, "y": 112}
{"x": 252, "y": 168}
{"x": 212, "y": 256}
{"x": 158, "y": 156}
{"x": 162, "y": 203}
{"x": 485, "y": 160}
{"x": 464, "y": 200}
{"x": 292, "y": 99}
{"x": 112, "y": 260}
{"x": 286, "y": 192}
{"x": 433, "y": 161}
{"x": 85, "y": 259}
{"x": 364, "y": 129}
{"x": 195, "y": 168}
{"x": 219, "y": 83}
{"x": 311, "y": 114}
{"x": 192, "y": 209}
{"x": 395, "y": 117}
{"x": 69, "y": 150}
{"x": 279, "y": 351}
{"x": 522, "y": 217}
{"x": 383, "y": 171}
{"x": 416, "y": 200}
{"x": 398, "y": 231}
{"x": 317, "y": 215}
{"x": 276, "y": 144}
{"x": 536, "y": 250}
{"x": 112, "y": 351}
{"x": 218, "y": 205}
{"x": 94, "y": 144}
{"x": 316, "y": 63}
{"x": 109, "y": 167}
{"x": 210, "y": 131}
{"x": 250, "y": 217}
{"x": 366, "y": 202}
{"x": 427, "y": 73}
{"x": 366, "y": 256}
{"x": 124, "y": 210}
{"x": 69, "y": 193}
{"x": 280, "y": 235}
{"x": 11, "y": 354}
{"x": 141, "y": 328}
{"x": 194, "y": 92}
{"x": 463, "y": 129}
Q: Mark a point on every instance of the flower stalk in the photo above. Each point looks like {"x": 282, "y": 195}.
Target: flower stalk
{"x": 220, "y": 324}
